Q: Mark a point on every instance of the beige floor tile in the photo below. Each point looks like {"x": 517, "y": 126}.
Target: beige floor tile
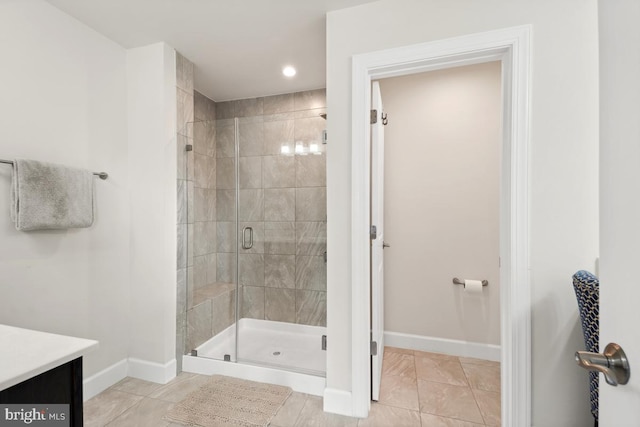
{"x": 178, "y": 388}
{"x": 289, "y": 412}
{"x": 313, "y": 415}
{"x": 483, "y": 377}
{"x": 148, "y": 412}
{"x": 474, "y": 361}
{"x": 489, "y": 404}
{"x": 448, "y": 400}
{"x": 397, "y": 350}
{"x": 401, "y": 392}
{"x": 429, "y": 420}
{"x": 442, "y": 370}
{"x": 385, "y": 416}
{"x": 399, "y": 364}
{"x": 136, "y": 386}
{"x": 107, "y": 406}
{"x": 430, "y": 355}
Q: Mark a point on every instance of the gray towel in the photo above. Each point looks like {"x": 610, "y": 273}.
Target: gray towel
{"x": 47, "y": 196}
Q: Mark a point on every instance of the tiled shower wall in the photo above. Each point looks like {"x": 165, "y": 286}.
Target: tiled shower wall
{"x": 282, "y": 197}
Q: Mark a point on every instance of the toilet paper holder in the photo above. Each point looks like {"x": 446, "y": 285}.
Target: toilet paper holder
{"x": 457, "y": 281}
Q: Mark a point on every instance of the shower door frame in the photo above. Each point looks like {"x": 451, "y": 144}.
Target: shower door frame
{"x": 511, "y": 46}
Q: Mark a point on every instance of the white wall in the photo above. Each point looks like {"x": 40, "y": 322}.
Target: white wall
{"x": 442, "y": 199}
{"x": 151, "y": 106}
{"x": 564, "y": 170}
{"x": 620, "y": 201}
{"x": 63, "y": 100}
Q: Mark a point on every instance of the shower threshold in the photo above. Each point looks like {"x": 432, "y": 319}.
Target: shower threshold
{"x": 274, "y": 352}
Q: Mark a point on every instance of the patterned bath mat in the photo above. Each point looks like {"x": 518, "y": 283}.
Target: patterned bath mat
{"x": 225, "y": 401}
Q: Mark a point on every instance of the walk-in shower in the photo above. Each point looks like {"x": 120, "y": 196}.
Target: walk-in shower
{"x": 256, "y": 281}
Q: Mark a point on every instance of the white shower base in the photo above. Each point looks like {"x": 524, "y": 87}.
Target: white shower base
{"x": 274, "y": 352}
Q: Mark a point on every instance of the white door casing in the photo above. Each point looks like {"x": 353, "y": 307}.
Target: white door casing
{"x": 377, "y": 248}
{"x": 512, "y": 46}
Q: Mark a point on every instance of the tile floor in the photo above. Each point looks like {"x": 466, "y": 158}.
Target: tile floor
{"x": 418, "y": 389}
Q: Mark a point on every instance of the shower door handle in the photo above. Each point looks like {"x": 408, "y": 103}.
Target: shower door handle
{"x": 247, "y": 244}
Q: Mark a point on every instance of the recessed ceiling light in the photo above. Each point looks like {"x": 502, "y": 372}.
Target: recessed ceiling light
{"x": 289, "y": 71}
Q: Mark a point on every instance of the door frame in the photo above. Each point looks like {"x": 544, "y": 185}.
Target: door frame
{"x": 512, "y": 46}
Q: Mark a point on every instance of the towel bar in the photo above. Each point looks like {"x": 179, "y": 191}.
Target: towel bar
{"x": 102, "y": 175}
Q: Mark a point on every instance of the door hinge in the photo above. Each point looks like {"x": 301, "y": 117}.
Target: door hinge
{"x": 374, "y": 116}
{"x": 373, "y": 232}
{"x": 373, "y": 348}
{"x": 324, "y": 342}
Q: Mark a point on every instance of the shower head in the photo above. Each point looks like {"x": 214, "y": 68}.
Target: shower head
{"x": 324, "y": 116}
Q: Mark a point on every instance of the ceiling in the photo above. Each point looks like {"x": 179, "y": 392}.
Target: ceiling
{"x": 238, "y": 47}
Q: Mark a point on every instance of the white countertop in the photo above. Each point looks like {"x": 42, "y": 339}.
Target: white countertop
{"x": 25, "y": 353}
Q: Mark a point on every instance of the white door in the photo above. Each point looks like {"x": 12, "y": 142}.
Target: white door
{"x": 620, "y": 203}
{"x": 377, "y": 252}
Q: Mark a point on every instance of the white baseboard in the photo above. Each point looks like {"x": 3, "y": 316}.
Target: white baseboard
{"x": 443, "y": 345}
{"x": 132, "y": 367}
{"x": 337, "y": 402}
{"x": 104, "y": 379}
{"x": 152, "y": 371}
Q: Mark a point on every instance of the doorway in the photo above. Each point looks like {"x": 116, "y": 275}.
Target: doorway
{"x": 512, "y": 48}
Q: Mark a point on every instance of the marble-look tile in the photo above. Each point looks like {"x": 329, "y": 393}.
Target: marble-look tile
{"x": 311, "y": 238}
{"x": 148, "y": 412}
{"x": 311, "y": 273}
{"x": 211, "y": 266}
{"x": 205, "y": 237}
{"x": 251, "y": 138}
{"x": 309, "y": 131}
{"x": 185, "y": 112}
{"x": 204, "y": 138}
{"x": 226, "y": 231}
{"x": 310, "y": 99}
{"x": 181, "y": 291}
{"x": 280, "y": 238}
{"x": 311, "y": 204}
{"x": 448, "y": 401}
{"x": 257, "y": 232}
{"x": 311, "y": 308}
{"x": 385, "y": 416}
{"x": 181, "y": 157}
{"x": 225, "y": 141}
{"x": 224, "y": 311}
{"x": 190, "y": 201}
{"x": 181, "y": 201}
{"x": 280, "y": 305}
{"x": 251, "y": 206}
{"x": 311, "y": 171}
{"x": 251, "y": 269}
{"x": 252, "y": 302}
{"x": 226, "y": 267}
{"x": 250, "y": 172}
{"x": 225, "y": 173}
{"x": 181, "y": 332}
{"x": 204, "y": 204}
{"x": 136, "y": 386}
{"x": 181, "y": 242}
{"x": 442, "y": 370}
{"x": 249, "y": 107}
{"x": 278, "y": 104}
{"x": 313, "y": 112}
{"x": 278, "y": 134}
{"x": 388, "y": 349}
{"x": 199, "y": 324}
{"x": 106, "y": 406}
{"x": 429, "y": 420}
{"x": 483, "y": 377}
{"x": 205, "y": 173}
{"x": 279, "y": 172}
{"x": 280, "y": 204}
{"x": 190, "y": 244}
{"x": 289, "y": 412}
{"x": 226, "y": 205}
{"x": 191, "y": 174}
{"x": 178, "y": 388}
{"x": 190, "y": 290}
{"x": 313, "y": 415}
{"x": 489, "y": 403}
{"x": 225, "y": 110}
{"x": 401, "y": 392}
{"x": 280, "y": 271}
{"x": 199, "y": 271}
{"x": 398, "y": 364}
{"x": 204, "y": 108}
{"x": 184, "y": 73}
